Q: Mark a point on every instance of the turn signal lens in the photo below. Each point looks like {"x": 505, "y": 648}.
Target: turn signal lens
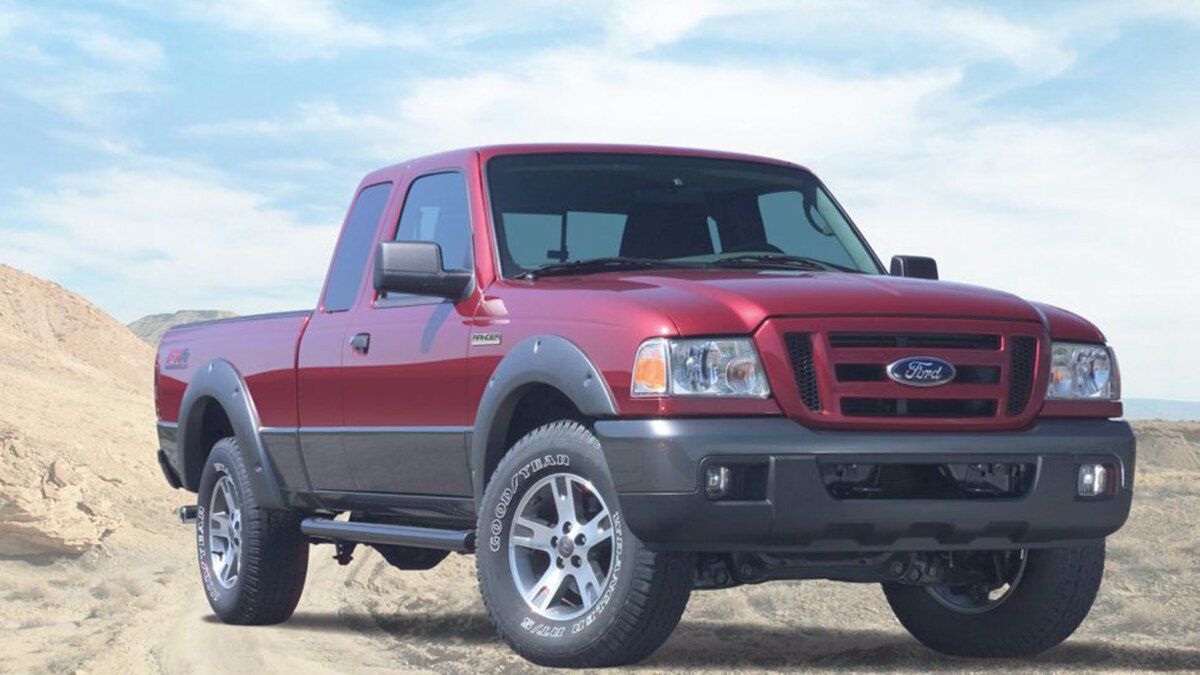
{"x": 650, "y": 369}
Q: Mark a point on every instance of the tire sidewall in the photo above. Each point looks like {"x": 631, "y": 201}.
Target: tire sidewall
{"x": 559, "y": 449}
{"x": 223, "y": 460}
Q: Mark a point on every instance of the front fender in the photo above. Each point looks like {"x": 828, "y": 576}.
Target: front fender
{"x": 218, "y": 381}
{"x": 540, "y": 360}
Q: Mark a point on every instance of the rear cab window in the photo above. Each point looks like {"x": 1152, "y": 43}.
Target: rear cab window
{"x": 350, "y": 261}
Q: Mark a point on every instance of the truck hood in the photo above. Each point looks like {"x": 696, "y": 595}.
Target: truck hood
{"x": 737, "y": 301}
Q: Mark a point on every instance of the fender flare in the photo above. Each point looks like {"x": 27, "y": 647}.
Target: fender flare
{"x": 539, "y": 360}
{"x": 220, "y": 381}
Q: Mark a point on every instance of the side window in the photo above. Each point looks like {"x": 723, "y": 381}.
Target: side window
{"x": 350, "y": 261}
{"x": 436, "y": 210}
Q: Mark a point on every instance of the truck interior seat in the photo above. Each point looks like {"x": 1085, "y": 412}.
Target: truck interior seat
{"x": 688, "y": 225}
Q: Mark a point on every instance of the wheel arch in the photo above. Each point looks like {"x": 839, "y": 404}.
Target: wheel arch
{"x": 546, "y": 366}
{"x": 216, "y": 404}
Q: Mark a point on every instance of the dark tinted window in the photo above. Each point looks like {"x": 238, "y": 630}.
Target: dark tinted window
{"x": 350, "y": 261}
{"x": 436, "y": 210}
{"x": 552, "y": 208}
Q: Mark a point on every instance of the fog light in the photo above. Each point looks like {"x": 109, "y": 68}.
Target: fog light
{"x": 1094, "y": 480}
{"x": 717, "y": 480}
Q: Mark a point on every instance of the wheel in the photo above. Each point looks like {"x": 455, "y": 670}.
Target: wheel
{"x": 1023, "y": 603}
{"x": 564, "y": 580}
{"x": 252, "y": 561}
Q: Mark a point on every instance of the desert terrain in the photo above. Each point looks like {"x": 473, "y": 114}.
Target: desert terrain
{"x": 96, "y": 577}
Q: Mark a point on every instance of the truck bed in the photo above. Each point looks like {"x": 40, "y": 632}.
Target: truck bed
{"x": 261, "y": 347}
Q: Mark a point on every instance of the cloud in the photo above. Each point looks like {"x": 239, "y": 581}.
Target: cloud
{"x": 164, "y": 235}
{"x": 299, "y": 28}
{"x": 78, "y": 65}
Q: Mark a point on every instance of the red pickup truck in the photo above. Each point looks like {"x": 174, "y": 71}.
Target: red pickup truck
{"x": 620, "y": 374}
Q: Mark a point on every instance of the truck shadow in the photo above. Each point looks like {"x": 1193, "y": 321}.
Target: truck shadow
{"x": 709, "y": 645}
{"x": 716, "y": 645}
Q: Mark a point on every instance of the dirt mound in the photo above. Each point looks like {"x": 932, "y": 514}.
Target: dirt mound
{"x": 151, "y": 328}
{"x": 1168, "y": 445}
{"x": 76, "y": 424}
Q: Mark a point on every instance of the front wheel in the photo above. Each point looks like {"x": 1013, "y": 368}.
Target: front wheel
{"x": 563, "y": 579}
{"x": 1023, "y": 603}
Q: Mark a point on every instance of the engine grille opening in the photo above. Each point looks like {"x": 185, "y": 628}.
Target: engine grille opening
{"x": 1024, "y": 360}
{"x": 988, "y": 480}
{"x": 847, "y": 340}
{"x": 918, "y": 407}
{"x": 799, "y": 346}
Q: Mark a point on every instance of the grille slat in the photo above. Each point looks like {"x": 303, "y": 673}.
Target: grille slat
{"x": 800, "y": 351}
{"x": 1020, "y": 385}
{"x": 918, "y": 407}
{"x": 846, "y": 340}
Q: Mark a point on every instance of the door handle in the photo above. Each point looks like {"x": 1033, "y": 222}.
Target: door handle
{"x": 361, "y": 342}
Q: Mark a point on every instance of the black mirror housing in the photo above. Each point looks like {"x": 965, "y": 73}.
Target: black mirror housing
{"x": 415, "y": 268}
{"x": 914, "y": 266}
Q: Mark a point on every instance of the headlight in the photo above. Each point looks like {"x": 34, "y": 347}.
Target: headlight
{"x": 704, "y": 367}
{"x": 1083, "y": 371}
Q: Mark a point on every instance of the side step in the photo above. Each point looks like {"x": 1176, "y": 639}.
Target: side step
{"x": 461, "y": 541}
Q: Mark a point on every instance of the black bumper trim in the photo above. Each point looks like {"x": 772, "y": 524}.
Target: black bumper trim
{"x": 656, "y": 467}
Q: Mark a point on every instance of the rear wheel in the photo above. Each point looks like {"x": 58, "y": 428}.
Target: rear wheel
{"x": 252, "y": 561}
{"x": 1022, "y": 602}
{"x": 564, "y": 581}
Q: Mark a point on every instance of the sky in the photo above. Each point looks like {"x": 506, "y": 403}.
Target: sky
{"x": 160, "y": 156}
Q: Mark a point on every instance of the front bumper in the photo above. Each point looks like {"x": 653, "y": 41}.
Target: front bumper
{"x": 657, "y": 467}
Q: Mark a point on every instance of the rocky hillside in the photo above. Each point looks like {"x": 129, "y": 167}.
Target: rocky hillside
{"x": 76, "y": 423}
{"x": 151, "y": 328}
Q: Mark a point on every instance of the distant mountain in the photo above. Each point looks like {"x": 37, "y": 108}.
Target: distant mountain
{"x": 1158, "y": 409}
{"x": 151, "y": 328}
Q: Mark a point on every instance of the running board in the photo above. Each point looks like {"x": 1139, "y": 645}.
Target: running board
{"x": 461, "y": 541}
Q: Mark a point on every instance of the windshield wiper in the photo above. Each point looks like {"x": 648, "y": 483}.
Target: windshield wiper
{"x": 781, "y": 260}
{"x": 592, "y": 265}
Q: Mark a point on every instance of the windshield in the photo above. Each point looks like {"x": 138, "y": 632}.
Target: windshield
{"x": 551, "y": 209}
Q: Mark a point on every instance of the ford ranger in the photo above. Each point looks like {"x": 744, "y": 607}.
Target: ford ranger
{"x": 620, "y": 374}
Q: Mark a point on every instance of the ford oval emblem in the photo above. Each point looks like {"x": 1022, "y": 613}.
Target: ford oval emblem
{"x": 921, "y": 371}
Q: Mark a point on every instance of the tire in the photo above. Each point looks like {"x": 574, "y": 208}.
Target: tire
{"x": 638, "y": 595}
{"x": 1052, "y": 595}
{"x": 263, "y": 586}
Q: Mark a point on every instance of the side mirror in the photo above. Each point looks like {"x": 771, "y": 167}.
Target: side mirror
{"x": 415, "y": 267}
{"x": 914, "y": 266}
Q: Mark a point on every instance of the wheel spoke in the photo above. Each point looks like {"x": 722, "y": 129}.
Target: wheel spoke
{"x": 218, "y": 524}
{"x": 546, "y": 589}
{"x": 539, "y": 537}
{"x": 589, "y": 585}
{"x": 598, "y": 529}
{"x": 564, "y": 499}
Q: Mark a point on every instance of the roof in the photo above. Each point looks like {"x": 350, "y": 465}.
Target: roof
{"x": 486, "y": 152}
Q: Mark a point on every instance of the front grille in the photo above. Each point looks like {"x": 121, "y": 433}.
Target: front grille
{"x": 913, "y": 340}
{"x": 800, "y": 351}
{"x": 918, "y": 407}
{"x": 1020, "y": 386}
{"x": 840, "y": 369}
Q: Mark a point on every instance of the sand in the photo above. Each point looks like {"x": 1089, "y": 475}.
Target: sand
{"x": 95, "y": 577}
